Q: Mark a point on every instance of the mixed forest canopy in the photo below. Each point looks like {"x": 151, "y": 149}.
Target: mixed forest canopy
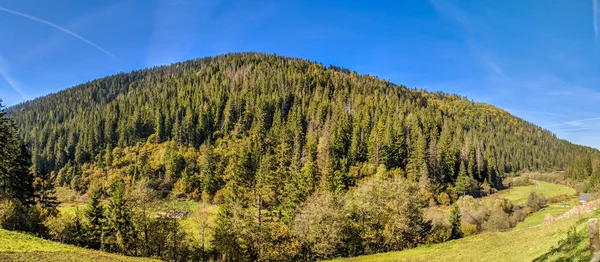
{"x": 298, "y": 112}
{"x": 277, "y": 141}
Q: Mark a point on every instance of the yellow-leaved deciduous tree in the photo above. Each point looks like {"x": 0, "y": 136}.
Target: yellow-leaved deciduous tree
{"x": 320, "y": 224}
{"x": 389, "y": 212}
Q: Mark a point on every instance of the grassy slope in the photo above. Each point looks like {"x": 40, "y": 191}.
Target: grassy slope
{"x": 16, "y": 246}
{"x": 529, "y": 240}
{"x": 555, "y": 210}
{"x": 527, "y": 244}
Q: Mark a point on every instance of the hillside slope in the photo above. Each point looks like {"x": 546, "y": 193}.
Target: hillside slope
{"x": 271, "y": 138}
{"x": 564, "y": 240}
{"x": 21, "y": 247}
{"x": 365, "y": 119}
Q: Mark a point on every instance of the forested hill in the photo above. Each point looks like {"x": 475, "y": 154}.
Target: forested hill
{"x": 224, "y": 122}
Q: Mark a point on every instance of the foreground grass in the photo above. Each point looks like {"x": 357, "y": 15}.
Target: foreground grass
{"x": 518, "y": 195}
{"x": 528, "y": 244}
{"x": 16, "y": 246}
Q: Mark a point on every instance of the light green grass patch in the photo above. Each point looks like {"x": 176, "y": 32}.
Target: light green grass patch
{"x": 68, "y": 197}
{"x": 192, "y": 225}
{"x": 537, "y": 218}
{"x": 15, "y": 246}
{"x": 518, "y": 195}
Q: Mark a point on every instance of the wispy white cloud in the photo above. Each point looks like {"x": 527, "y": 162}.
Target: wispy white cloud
{"x": 59, "y": 28}
{"x": 451, "y": 11}
{"x": 534, "y": 112}
{"x": 573, "y": 129}
{"x": 595, "y": 10}
{"x": 479, "y": 51}
{"x": 48, "y": 45}
{"x": 5, "y": 72}
{"x": 575, "y": 123}
{"x": 492, "y": 65}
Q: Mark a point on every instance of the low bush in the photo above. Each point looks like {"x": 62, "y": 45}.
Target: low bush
{"x": 16, "y": 216}
{"x": 468, "y": 229}
{"x": 536, "y": 201}
{"x": 558, "y": 199}
{"x": 520, "y": 181}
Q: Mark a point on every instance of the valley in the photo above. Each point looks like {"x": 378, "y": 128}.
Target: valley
{"x": 259, "y": 157}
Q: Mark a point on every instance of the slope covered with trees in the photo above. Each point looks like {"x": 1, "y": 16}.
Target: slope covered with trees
{"x": 279, "y": 142}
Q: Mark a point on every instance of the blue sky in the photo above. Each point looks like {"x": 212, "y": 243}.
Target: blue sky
{"x": 539, "y": 59}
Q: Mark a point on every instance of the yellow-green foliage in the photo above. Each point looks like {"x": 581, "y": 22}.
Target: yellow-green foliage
{"x": 16, "y": 246}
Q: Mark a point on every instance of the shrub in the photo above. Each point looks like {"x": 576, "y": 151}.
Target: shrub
{"x": 62, "y": 228}
{"x": 499, "y": 219}
{"x": 320, "y": 223}
{"x": 389, "y": 211}
{"x": 520, "y": 181}
{"x": 443, "y": 199}
{"x": 536, "y": 201}
{"x": 468, "y": 229}
{"x": 473, "y": 211}
{"x": 16, "y": 216}
{"x": 439, "y": 234}
{"x": 558, "y": 199}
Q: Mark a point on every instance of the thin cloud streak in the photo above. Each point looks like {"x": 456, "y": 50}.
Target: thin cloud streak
{"x": 595, "y": 3}
{"x": 575, "y": 122}
{"x": 59, "y": 28}
{"x": 572, "y": 129}
{"x": 517, "y": 111}
{"x": 5, "y": 73}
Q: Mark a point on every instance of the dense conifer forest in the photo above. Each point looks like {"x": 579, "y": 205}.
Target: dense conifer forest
{"x": 306, "y": 161}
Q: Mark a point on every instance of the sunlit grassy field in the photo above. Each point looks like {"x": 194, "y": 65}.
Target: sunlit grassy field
{"x": 555, "y": 210}
{"x": 191, "y": 224}
{"x": 530, "y": 240}
{"x": 16, "y": 246}
{"x": 527, "y": 244}
{"x": 519, "y": 194}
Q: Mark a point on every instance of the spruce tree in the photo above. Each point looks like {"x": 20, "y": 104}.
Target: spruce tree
{"x": 454, "y": 220}
{"x": 463, "y": 181}
{"x": 120, "y": 219}
{"x": 95, "y": 217}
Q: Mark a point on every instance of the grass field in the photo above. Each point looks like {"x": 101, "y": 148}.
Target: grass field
{"x": 527, "y": 244}
{"x": 16, "y": 246}
{"x": 190, "y": 224}
{"x": 519, "y": 194}
{"x": 537, "y": 218}
{"x": 528, "y": 241}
